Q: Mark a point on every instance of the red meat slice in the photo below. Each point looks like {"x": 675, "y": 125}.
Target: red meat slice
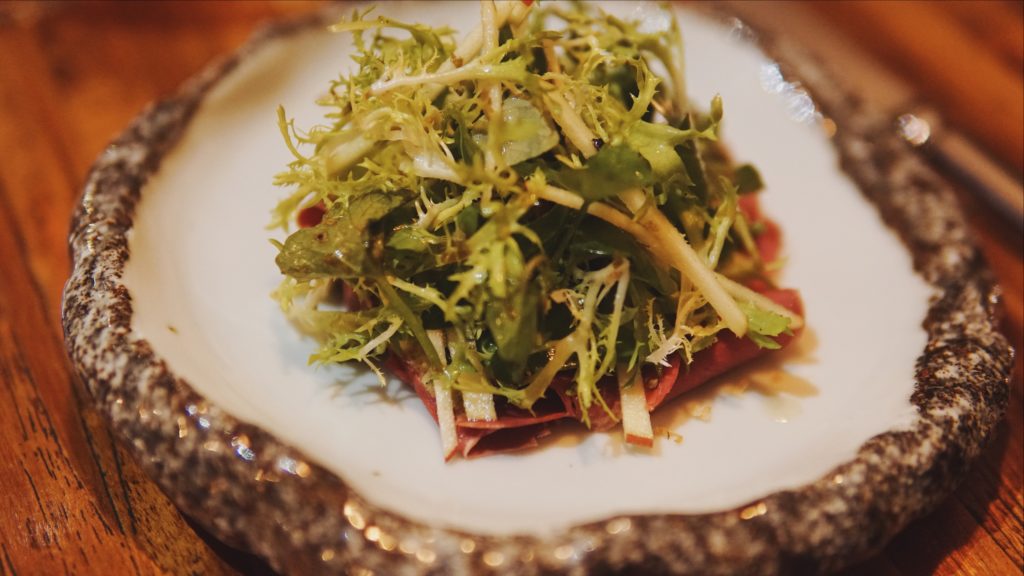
{"x": 517, "y": 429}
{"x": 727, "y": 353}
{"x": 506, "y": 440}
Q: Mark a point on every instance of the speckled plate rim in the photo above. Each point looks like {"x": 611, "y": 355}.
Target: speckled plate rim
{"x": 304, "y": 519}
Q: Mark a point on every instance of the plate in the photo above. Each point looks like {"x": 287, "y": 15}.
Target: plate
{"x": 812, "y": 459}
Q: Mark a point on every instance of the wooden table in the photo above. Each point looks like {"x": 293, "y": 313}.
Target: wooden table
{"x": 72, "y": 75}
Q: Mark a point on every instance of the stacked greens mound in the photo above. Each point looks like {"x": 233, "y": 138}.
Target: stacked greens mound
{"x": 526, "y": 225}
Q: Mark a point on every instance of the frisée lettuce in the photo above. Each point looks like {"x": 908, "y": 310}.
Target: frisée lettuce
{"x": 530, "y": 201}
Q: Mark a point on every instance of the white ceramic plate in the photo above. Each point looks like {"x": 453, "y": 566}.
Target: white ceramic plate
{"x": 201, "y": 270}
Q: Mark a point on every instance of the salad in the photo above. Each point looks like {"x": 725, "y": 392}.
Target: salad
{"x": 527, "y": 224}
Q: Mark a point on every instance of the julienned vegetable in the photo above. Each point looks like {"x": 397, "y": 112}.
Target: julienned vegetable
{"x": 528, "y": 224}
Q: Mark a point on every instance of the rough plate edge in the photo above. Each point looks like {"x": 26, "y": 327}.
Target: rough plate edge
{"x": 255, "y": 492}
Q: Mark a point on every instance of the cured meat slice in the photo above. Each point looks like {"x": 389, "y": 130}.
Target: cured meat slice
{"x": 518, "y": 429}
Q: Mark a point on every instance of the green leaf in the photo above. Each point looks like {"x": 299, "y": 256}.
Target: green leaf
{"x": 597, "y": 238}
{"x": 345, "y": 333}
{"x": 716, "y": 109}
{"x": 339, "y": 245}
{"x": 410, "y": 239}
{"x": 397, "y": 303}
{"x": 425, "y": 37}
{"x": 657, "y": 143}
{"x": 764, "y": 322}
{"x": 513, "y": 326}
{"x": 613, "y": 170}
{"x": 335, "y": 321}
{"x": 466, "y": 148}
{"x": 408, "y": 251}
{"x": 510, "y": 71}
{"x": 620, "y": 80}
{"x": 695, "y": 169}
{"x": 747, "y": 179}
{"x": 762, "y": 325}
{"x": 468, "y": 219}
{"x": 525, "y": 134}
{"x": 763, "y": 341}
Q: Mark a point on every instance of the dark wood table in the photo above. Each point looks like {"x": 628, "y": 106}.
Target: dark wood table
{"x": 73, "y": 74}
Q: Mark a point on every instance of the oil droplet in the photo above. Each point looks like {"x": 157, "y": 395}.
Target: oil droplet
{"x": 669, "y": 435}
{"x": 699, "y": 409}
{"x": 782, "y": 392}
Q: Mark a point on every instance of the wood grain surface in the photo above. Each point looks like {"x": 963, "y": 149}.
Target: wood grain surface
{"x": 73, "y": 74}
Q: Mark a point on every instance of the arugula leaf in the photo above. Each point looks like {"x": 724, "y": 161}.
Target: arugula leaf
{"x": 409, "y": 250}
{"x": 513, "y": 326}
{"x": 397, "y": 303}
{"x": 339, "y": 245}
{"x": 747, "y": 179}
{"x": 613, "y": 170}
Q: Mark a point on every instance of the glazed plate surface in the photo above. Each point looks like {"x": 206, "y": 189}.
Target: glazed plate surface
{"x": 200, "y": 270}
